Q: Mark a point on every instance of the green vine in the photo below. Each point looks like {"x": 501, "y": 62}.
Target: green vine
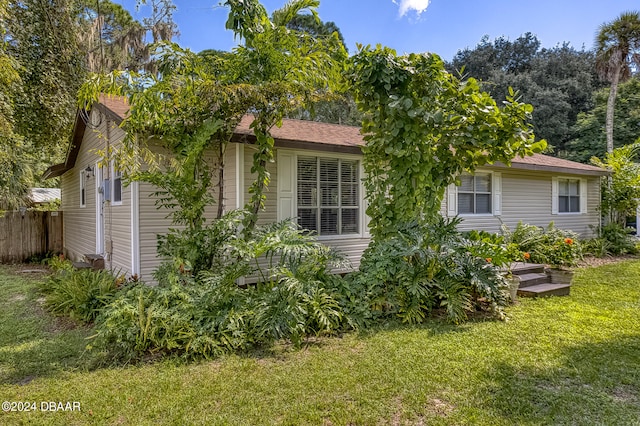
{"x": 423, "y": 127}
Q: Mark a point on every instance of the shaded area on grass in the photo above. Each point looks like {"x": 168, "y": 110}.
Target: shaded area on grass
{"x": 594, "y": 383}
{"x": 32, "y": 342}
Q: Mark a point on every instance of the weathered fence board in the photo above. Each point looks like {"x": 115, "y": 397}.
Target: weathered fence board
{"x": 32, "y": 234}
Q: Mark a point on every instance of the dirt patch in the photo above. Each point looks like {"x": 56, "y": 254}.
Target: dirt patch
{"x": 440, "y": 407}
{"x": 608, "y": 260}
{"x": 26, "y": 269}
{"x": 624, "y": 394}
{"x": 17, "y": 298}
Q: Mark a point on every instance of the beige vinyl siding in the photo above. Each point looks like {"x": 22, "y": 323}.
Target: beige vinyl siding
{"x": 155, "y": 221}
{"x": 117, "y": 232}
{"x": 229, "y": 175}
{"x": 80, "y": 223}
{"x": 526, "y": 197}
{"x": 79, "y": 234}
{"x": 117, "y": 216}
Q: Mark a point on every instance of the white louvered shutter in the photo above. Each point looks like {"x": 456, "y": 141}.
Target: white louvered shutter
{"x": 583, "y": 196}
{"x": 286, "y": 180}
{"x": 452, "y": 200}
{"x": 554, "y": 195}
{"x": 497, "y": 193}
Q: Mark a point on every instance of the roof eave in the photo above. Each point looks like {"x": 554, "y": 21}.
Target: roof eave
{"x": 554, "y": 169}
{"x": 305, "y": 145}
{"x": 54, "y": 171}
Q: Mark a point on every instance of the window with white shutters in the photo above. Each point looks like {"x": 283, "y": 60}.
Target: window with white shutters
{"x": 569, "y": 195}
{"x": 474, "y": 194}
{"x": 328, "y": 195}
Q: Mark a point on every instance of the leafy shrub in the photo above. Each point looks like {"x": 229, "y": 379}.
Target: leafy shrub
{"x": 619, "y": 240}
{"x": 494, "y": 248}
{"x": 549, "y": 245}
{"x": 192, "y": 251}
{"x": 151, "y": 319}
{"x": 425, "y": 267}
{"x": 59, "y": 263}
{"x": 598, "y": 247}
{"x": 80, "y": 294}
{"x": 209, "y": 314}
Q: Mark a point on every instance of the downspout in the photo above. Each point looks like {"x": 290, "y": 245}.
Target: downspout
{"x": 109, "y": 248}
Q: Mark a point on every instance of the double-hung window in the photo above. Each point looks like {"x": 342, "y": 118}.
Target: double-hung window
{"x": 568, "y": 195}
{"x": 474, "y": 194}
{"x": 116, "y": 193}
{"x": 328, "y": 195}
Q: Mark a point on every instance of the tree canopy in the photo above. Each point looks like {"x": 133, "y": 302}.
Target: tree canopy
{"x": 196, "y": 101}
{"x": 558, "y": 82}
{"x": 590, "y": 138}
{"x": 617, "y": 52}
{"x": 48, "y": 47}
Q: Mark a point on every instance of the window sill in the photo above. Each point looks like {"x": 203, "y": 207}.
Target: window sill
{"x": 116, "y": 203}
{"x": 339, "y": 237}
{"x": 477, "y": 215}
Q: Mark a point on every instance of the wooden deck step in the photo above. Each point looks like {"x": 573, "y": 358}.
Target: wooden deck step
{"x": 531, "y": 279}
{"x": 521, "y": 268}
{"x": 543, "y": 290}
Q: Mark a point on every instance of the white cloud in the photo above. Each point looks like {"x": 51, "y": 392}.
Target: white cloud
{"x": 406, "y": 5}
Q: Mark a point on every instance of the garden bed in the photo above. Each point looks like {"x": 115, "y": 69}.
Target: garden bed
{"x": 571, "y": 360}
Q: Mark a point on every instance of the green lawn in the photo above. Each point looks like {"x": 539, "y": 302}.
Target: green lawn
{"x": 569, "y": 360}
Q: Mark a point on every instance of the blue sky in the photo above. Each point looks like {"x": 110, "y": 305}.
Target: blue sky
{"x": 439, "y": 26}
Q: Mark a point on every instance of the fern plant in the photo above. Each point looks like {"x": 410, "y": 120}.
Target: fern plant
{"x": 79, "y": 294}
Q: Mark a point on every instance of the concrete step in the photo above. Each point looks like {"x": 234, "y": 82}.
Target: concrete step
{"x": 543, "y": 290}
{"x": 521, "y": 268}
{"x": 81, "y": 265}
{"x": 531, "y": 279}
{"x": 95, "y": 260}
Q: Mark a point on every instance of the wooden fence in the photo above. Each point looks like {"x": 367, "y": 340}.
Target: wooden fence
{"x": 32, "y": 234}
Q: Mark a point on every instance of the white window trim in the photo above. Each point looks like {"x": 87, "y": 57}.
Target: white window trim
{"x": 113, "y": 185}
{"x": 287, "y": 191}
{"x": 83, "y": 186}
{"x": 496, "y": 197}
{"x": 555, "y": 193}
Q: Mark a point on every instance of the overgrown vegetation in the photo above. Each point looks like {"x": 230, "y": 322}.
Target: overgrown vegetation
{"x": 78, "y": 294}
{"x": 427, "y": 267}
{"x": 621, "y": 192}
{"x": 551, "y": 245}
{"x": 208, "y": 313}
{"x": 564, "y": 360}
{"x": 613, "y": 239}
{"x": 423, "y": 128}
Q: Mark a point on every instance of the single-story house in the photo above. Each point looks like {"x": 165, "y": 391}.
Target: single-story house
{"x": 316, "y": 178}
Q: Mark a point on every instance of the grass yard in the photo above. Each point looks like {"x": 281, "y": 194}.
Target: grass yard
{"x": 571, "y": 360}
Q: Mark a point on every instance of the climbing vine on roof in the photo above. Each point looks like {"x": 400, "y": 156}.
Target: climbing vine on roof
{"x": 423, "y": 127}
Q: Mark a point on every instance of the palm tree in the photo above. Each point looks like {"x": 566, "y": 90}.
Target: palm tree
{"x": 617, "y": 54}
